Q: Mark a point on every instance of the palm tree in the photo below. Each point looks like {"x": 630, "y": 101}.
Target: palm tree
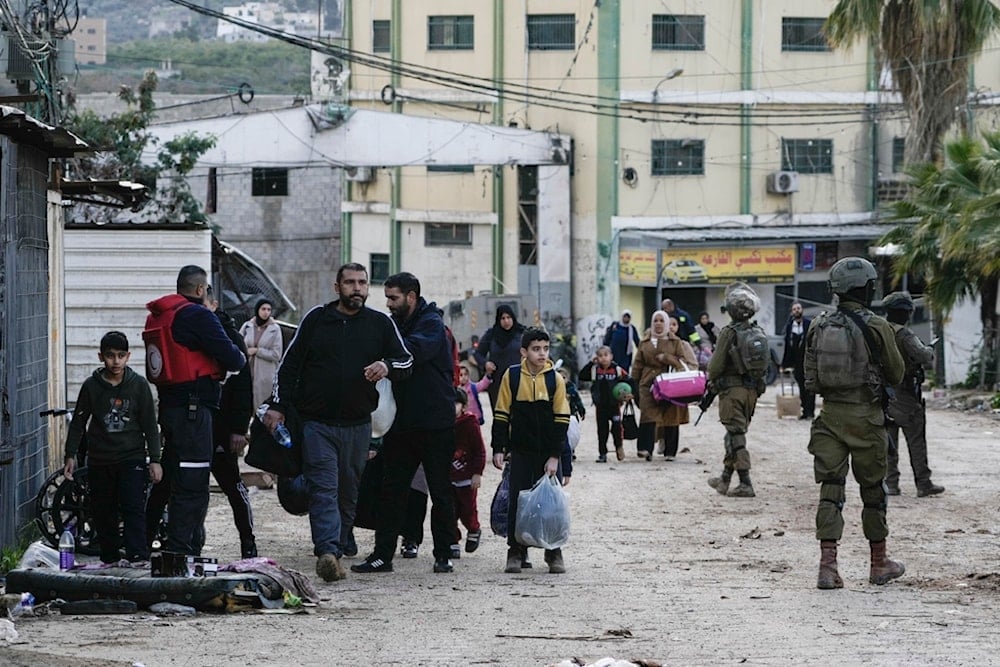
{"x": 928, "y": 46}
{"x": 955, "y": 242}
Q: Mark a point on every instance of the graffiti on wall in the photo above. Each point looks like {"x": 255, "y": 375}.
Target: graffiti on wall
{"x": 590, "y": 336}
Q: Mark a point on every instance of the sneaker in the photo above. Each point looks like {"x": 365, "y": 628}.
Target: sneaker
{"x": 649, "y": 456}
{"x": 409, "y": 549}
{"x": 371, "y": 565}
{"x": 601, "y": 459}
{"x": 248, "y": 549}
{"x": 456, "y": 551}
{"x": 513, "y": 561}
{"x": 930, "y": 489}
{"x": 555, "y": 561}
{"x": 328, "y": 568}
{"x": 472, "y": 540}
{"x": 668, "y": 458}
{"x": 620, "y": 453}
{"x": 443, "y": 565}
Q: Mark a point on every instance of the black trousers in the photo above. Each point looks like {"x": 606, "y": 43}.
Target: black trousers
{"x": 187, "y": 462}
{"x": 403, "y": 453}
{"x": 117, "y": 492}
{"x": 609, "y": 422}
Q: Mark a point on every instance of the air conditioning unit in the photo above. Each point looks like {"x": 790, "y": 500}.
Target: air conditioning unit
{"x": 15, "y": 62}
{"x": 360, "y": 174}
{"x": 783, "y": 182}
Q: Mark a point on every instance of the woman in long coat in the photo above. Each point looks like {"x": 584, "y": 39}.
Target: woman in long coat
{"x": 658, "y": 352}
{"x": 264, "y": 347}
{"x": 500, "y": 348}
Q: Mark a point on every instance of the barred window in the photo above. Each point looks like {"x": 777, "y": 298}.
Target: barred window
{"x": 447, "y": 234}
{"x": 807, "y": 156}
{"x": 451, "y": 168}
{"x": 551, "y": 32}
{"x": 449, "y": 32}
{"x": 381, "y": 36}
{"x": 672, "y": 157}
{"x": 378, "y": 267}
{"x": 803, "y": 34}
{"x": 678, "y": 32}
{"x": 898, "y": 153}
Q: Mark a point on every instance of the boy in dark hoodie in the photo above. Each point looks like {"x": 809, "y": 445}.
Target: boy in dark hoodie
{"x": 115, "y": 407}
{"x": 603, "y": 374}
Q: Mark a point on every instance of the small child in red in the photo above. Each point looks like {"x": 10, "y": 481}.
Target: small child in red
{"x": 467, "y": 471}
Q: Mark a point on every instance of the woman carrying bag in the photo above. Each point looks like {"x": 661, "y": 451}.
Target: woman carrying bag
{"x": 660, "y": 351}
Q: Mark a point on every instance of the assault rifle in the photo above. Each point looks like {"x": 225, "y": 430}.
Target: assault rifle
{"x": 706, "y": 402}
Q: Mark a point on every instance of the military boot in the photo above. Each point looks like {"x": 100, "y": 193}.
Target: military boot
{"x": 929, "y": 489}
{"x": 721, "y": 483}
{"x": 828, "y": 578}
{"x": 892, "y": 488}
{"x": 883, "y": 570}
{"x": 745, "y": 488}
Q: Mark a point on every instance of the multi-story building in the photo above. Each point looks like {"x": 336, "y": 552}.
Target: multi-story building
{"x": 714, "y": 140}
{"x": 270, "y": 14}
{"x": 91, "y": 37}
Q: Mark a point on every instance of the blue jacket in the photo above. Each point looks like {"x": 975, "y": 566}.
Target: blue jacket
{"x": 426, "y": 400}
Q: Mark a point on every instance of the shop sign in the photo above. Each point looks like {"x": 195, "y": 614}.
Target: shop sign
{"x": 687, "y": 266}
{"x": 636, "y": 266}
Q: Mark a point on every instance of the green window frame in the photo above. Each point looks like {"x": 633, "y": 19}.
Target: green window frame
{"x": 448, "y": 234}
{"x": 551, "y": 32}
{"x": 678, "y": 157}
{"x": 807, "y": 156}
{"x": 381, "y": 36}
{"x": 678, "y": 32}
{"x": 803, "y": 34}
{"x": 450, "y": 33}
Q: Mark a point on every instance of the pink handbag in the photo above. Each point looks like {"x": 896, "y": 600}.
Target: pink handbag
{"x": 679, "y": 387}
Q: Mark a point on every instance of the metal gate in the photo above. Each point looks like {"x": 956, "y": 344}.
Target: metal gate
{"x": 24, "y": 282}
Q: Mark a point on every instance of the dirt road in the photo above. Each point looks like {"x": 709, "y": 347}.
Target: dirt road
{"x": 660, "y": 567}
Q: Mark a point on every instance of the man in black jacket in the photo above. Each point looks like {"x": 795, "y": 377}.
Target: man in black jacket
{"x": 795, "y": 354}
{"x": 423, "y": 431}
{"x": 328, "y": 374}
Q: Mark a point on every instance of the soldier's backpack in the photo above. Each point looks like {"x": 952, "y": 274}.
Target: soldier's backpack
{"x": 841, "y": 353}
{"x": 751, "y": 352}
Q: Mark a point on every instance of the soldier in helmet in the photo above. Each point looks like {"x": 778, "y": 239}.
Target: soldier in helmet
{"x": 852, "y": 361}
{"x": 907, "y": 408}
{"x": 738, "y": 378}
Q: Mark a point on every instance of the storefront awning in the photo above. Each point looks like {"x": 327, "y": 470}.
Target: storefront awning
{"x": 739, "y": 234}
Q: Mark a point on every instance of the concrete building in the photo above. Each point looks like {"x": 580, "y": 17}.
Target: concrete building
{"x": 712, "y": 140}
{"x": 270, "y": 14}
{"x": 91, "y": 37}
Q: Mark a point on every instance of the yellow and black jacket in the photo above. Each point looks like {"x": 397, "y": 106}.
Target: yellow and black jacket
{"x": 536, "y": 419}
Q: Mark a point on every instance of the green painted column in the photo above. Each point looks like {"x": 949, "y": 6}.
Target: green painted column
{"x": 746, "y": 111}
{"x": 873, "y": 129}
{"x": 608, "y": 182}
{"x": 347, "y": 219}
{"x": 498, "y": 169}
{"x": 395, "y": 228}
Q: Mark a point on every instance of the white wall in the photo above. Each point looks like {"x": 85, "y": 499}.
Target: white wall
{"x": 110, "y": 275}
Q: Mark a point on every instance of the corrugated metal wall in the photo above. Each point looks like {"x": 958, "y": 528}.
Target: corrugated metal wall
{"x": 111, "y": 273}
{"x": 24, "y": 360}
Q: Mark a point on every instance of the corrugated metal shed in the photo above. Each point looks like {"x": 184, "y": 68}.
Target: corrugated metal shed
{"x": 112, "y": 271}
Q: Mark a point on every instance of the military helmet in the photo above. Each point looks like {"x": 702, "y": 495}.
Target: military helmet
{"x": 849, "y": 273}
{"x": 741, "y": 301}
{"x": 898, "y": 301}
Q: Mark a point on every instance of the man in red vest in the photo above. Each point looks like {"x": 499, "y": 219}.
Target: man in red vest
{"x": 187, "y": 354}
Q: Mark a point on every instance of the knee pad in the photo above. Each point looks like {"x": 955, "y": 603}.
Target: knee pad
{"x": 874, "y": 497}
{"x": 832, "y": 491}
{"x": 737, "y": 440}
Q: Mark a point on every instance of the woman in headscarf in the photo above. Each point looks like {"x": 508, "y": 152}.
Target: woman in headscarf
{"x": 622, "y": 337}
{"x": 659, "y": 351}
{"x": 500, "y": 348}
{"x": 264, "y": 347}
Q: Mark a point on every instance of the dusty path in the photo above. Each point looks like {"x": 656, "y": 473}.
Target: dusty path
{"x": 660, "y": 567}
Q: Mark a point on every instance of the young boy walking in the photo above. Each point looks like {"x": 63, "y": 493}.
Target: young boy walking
{"x": 115, "y": 408}
{"x": 529, "y": 426}
{"x": 603, "y": 374}
{"x": 467, "y": 472}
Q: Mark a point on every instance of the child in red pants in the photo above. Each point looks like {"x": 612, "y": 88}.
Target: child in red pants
{"x": 467, "y": 472}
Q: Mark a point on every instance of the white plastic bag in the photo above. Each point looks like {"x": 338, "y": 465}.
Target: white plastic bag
{"x": 543, "y": 515}
{"x": 39, "y": 554}
{"x": 573, "y": 432}
{"x": 385, "y": 413}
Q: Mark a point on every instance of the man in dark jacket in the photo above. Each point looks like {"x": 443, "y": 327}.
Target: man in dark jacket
{"x": 187, "y": 403}
{"x": 423, "y": 431}
{"x": 685, "y": 325}
{"x": 328, "y": 374}
{"x": 794, "y": 357}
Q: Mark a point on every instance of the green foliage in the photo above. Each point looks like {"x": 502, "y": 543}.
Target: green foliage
{"x": 995, "y": 401}
{"x": 10, "y": 555}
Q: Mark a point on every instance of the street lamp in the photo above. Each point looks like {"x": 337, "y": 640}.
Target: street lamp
{"x": 672, "y": 74}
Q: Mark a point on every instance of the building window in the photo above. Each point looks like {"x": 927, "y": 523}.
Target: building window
{"x": 451, "y": 168}
{"x": 91, "y": 47}
{"x": 898, "y": 152}
{"x": 212, "y": 195}
{"x": 449, "y": 32}
{"x": 673, "y": 157}
{"x": 678, "y": 32}
{"x": 447, "y": 234}
{"x": 803, "y": 34}
{"x": 378, "y": 267}
{"x": 91, "y": 31}
{"x": 381, "y": 36}
{"x": 807, "y": 156}
{"x": 551, "y": 32}
{"x": 269, "y": 182}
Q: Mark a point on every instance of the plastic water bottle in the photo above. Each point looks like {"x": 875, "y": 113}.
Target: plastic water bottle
{"x": 67, "y": 550}
{"x": 281, "y": 434}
